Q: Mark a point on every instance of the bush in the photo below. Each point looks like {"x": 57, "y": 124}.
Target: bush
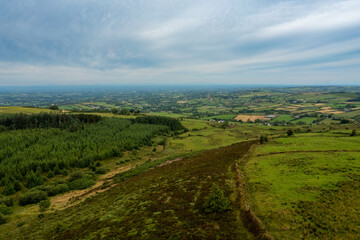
{"x": 32, "y": 197}
{"x": 263, "y": 139}
{"x": 101, "y": 170}
{"x": 33, "y": 180}
{"x": 353, "y": 133}
{"x": 216, "y": 201}
{"x": 58, "y": 189}
{"x": 7, "y": 201}
{"x": 75, "y": 175}
{"x": 3, "y": 219}
{"x": 44, "y": 204}
{"x": 290, "y": 132}
{"x": 5, "y": 210}
{"x": 81, "y": 183}
{"x": 17, "y": 186}
{"x": 50, "y": 174}
{"x": 9, "y": 189}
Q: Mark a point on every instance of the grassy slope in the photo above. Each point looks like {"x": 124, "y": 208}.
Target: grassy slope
{"x": 303, "y": 195}
{"x": 12, "y": 110}
{"x": 164, "y": 203}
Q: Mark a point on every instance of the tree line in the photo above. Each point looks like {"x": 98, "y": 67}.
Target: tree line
{"x": 29, "y": 156}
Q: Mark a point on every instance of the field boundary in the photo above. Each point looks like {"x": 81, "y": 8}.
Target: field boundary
{"x": 249, "y": 219}
{"x": 309, "y": 151}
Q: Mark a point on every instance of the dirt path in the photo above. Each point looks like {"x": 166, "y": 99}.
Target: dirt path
{"x": 75, "y": 197}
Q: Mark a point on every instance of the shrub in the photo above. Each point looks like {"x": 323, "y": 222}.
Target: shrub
{"x": 263, "y": 139}
{"x": 17, "y": 186}
{"x": 9, "y": 189}
{"x": 353, "y": 133}
{"x": 290, "y": 132}
{"x": 216, "y": 201}
{"x": 3, "y": 219}
{"x": 8, "y": 201}
{"x": 44, "y": 204}
{"x": 32, "y": 197}
{"x": 50, "y": 174}
{"x": 58, "y": 189}
{"x": 33, "y": 180}
{"x": 75, "y": 175}
{"x": 81, "y": 183}
{"x": 5, "y": 210}
{"x": 101, "y": 170}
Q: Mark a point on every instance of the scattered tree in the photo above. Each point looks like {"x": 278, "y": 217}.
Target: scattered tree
{"x": 216, "y": 201}
{"x": 53, "y": 107}
{"x": 290, "y": 132}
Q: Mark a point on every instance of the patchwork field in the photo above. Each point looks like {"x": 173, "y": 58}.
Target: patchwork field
{"x": 251, "y": 118}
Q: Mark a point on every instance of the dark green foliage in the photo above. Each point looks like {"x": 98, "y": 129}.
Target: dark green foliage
{"x": 44, "y": 204}
{"x": 216, "y": 201}
{"x": 75, "y": 175}
{"x": 53, "y": 107}
{"x": 58, "y": 189}
{"x": 290, "y": 132}
{"x": 9, "y": 189}
{"x": 65, "y": 172}
{"x": 263, "y": 139}
{"x": 57, "y": 170}
{"x": 17, "y": 186}
{"x": 31, "y": 197}
{"x": 344, "y": 121}
{"x": 101, "y": 170}
{"x": 33, "y": 180}
{"x": 8, "y": 201}
{"x": 46, "y": 120}
{"x": 5, "y": 210}
{"x": 3, "y": 219}
{"x": 24, "y": 152}
{"x": 81, "y": 183}
{"x": 172, "y": 123}
{"x": 50, "y": 174}
{"x": 114, "y": 111}
{"x": 353, "y": 133}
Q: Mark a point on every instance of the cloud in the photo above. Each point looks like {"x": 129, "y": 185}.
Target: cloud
{"x": 132, "y": 41}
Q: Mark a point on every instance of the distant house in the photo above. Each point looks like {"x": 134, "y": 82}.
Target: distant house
{"x": 271, "y": 116}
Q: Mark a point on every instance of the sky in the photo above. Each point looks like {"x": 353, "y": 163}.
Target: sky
{"x": 67, "y": 42}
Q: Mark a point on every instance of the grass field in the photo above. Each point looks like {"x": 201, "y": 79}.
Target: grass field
{"x": 307, "y": 120}
{"x": 283, "y": 117}
{"x": 310, "y": 193}
{"x": 221, "y": 117}
{"x": 28, "y": 110}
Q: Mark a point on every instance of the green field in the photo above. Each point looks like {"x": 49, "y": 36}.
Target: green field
{"x": 298, "y": 186}
{"x": 221, "y": 117}
{"x": 12, "y": 110}
{"x": 307, "y": 120}
{"x": 284, "y": 117}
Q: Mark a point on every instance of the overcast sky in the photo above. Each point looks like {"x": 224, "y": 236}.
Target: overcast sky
{"x": 179, "y": 42}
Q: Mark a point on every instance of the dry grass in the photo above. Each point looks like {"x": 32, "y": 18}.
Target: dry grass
{"x": 328, "y": 110}
{"x": 252, "y": 118}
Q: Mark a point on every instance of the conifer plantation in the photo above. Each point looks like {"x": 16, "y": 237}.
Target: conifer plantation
{"x": 34, "y": 148}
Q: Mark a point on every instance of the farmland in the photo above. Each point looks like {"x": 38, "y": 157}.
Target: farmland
{"x": 147, "y": 169}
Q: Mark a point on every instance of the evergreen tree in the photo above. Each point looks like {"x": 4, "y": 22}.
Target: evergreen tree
{"x": 216, "y": 201}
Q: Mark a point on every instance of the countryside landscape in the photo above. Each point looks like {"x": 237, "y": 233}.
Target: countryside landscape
{"x": 180, "y": 120}
{"x": 278, "y": 163}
